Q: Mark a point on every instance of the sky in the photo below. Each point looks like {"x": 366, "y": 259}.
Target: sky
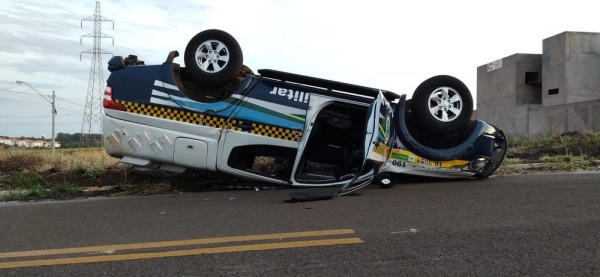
{"x": 391, "y": 45}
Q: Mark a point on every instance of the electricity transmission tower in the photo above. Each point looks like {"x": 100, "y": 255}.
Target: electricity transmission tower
{"x": 91, "y": 126}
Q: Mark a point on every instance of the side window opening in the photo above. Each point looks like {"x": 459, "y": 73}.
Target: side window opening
{"x": 266, "y": 160}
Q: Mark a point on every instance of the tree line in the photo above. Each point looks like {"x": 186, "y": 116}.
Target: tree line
{"x": 72, "y": 140}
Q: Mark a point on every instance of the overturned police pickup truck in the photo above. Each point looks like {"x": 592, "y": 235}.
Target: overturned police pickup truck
{"x": 286, "y": 129}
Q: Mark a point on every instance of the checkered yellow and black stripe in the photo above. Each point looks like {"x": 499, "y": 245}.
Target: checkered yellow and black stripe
{"x": 161, "y": 112}
{"x": 211, "y": 121}
{"x": 275, "y": 132}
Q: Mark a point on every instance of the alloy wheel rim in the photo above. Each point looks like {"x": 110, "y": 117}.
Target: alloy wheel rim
{"x": 445, "y": 104}
{"x": 212, "y": 56}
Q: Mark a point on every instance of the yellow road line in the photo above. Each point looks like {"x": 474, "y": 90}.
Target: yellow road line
{"x": 179, "y": 253}
{"x": 146, "y": 245}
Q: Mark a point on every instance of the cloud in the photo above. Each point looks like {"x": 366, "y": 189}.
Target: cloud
{"x": 392, "y": 45}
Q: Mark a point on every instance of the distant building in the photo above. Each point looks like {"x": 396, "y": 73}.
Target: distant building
{"x": 552, "y": 93}
{"x": 26, "y": 143}
{"x": 8, "y": 141}
{"x": 48, "y": 144}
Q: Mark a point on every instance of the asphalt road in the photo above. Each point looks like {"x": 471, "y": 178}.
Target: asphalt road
{"x": 540, "y": 225}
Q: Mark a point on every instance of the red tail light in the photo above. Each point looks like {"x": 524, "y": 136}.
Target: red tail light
{"x": 109, "y": 103}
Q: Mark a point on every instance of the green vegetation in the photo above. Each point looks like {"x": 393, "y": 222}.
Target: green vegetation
{"x": 72, "y": 140}
{"x": 87, "y": 172}
{"x": 587, "y": 143}
{"x": 32, "y": 174}
{"x": 566, "y": 152}
{"x": 27, "y": 185}
{"x": 27, "y": 174}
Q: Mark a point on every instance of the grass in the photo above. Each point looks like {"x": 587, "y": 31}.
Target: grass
{"x": 27, "y": 185}
{"x": 567, "y": 162}
{"x": 87, "y": 171}
{"x": 31, "y": 174}
{"x": 37, "y": 174}
{"x": 586, "y": 143}
{"x": 65, "y": 159}
{"x": 566, "y": 152}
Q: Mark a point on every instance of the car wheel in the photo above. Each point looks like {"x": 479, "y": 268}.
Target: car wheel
{"x": 442, "y": 104}
{"x": 213, "y": 57}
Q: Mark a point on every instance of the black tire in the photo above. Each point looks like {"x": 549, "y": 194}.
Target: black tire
{"x": 450, "y": 113}
{"x": 213, "y": 57}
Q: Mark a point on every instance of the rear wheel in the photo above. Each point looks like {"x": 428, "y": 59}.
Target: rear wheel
{"x": 442, "y": 104}
{"x": 213, "y": 57}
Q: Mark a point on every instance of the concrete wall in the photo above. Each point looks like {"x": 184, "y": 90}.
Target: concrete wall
{"x": 552, "y": 93}
{"x": 503, "y": 96}
{"x": 573, "y": 117}
{"x": 554, "y": 67}
{"x": 571, "y": 64}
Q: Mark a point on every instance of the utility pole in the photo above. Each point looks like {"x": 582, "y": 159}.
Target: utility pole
{"x": 53, "y": 121}
{"x": 53, "y": 141}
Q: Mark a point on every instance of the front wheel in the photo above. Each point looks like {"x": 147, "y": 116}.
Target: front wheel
{"x": 442, "y": 105}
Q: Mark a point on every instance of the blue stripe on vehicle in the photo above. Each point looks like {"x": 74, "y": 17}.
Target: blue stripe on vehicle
{"x": 253, "y": 115}
{"x": 206, "y": 107}
{"x": 214, "y": 121}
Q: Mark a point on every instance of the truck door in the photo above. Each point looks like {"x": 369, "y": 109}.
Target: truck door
{"x": 379, "y": 130}
{"x": 379, "y": 134}
{"x": 265, "y": 129}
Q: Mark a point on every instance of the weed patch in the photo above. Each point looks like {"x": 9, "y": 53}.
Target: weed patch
{"x": 566, "y": 152}
{"x": 87, "y": 172}
{"x": 569, "y": 144}
{"x": 64, "y": 188}
{"x": 19, "y": 160}
{"x": 27, "y": 181}
{"x": 41, "y": 191}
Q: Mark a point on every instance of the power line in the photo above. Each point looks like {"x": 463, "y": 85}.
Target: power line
{"x": 44, "y": 22}
{"x": 72, "y": 98}
{"x": 58, "y": 6}
{"x": 40, "y": 105}
{"x": 24, "y": 102}
{"x": 71, "y": 102}
{"x": 69, "y": 110}
{"x": 19, "y": 92}
{"x": 39, "y": 21}
{"x": 60, "y": 98}
{"x": 42, "y": 116}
